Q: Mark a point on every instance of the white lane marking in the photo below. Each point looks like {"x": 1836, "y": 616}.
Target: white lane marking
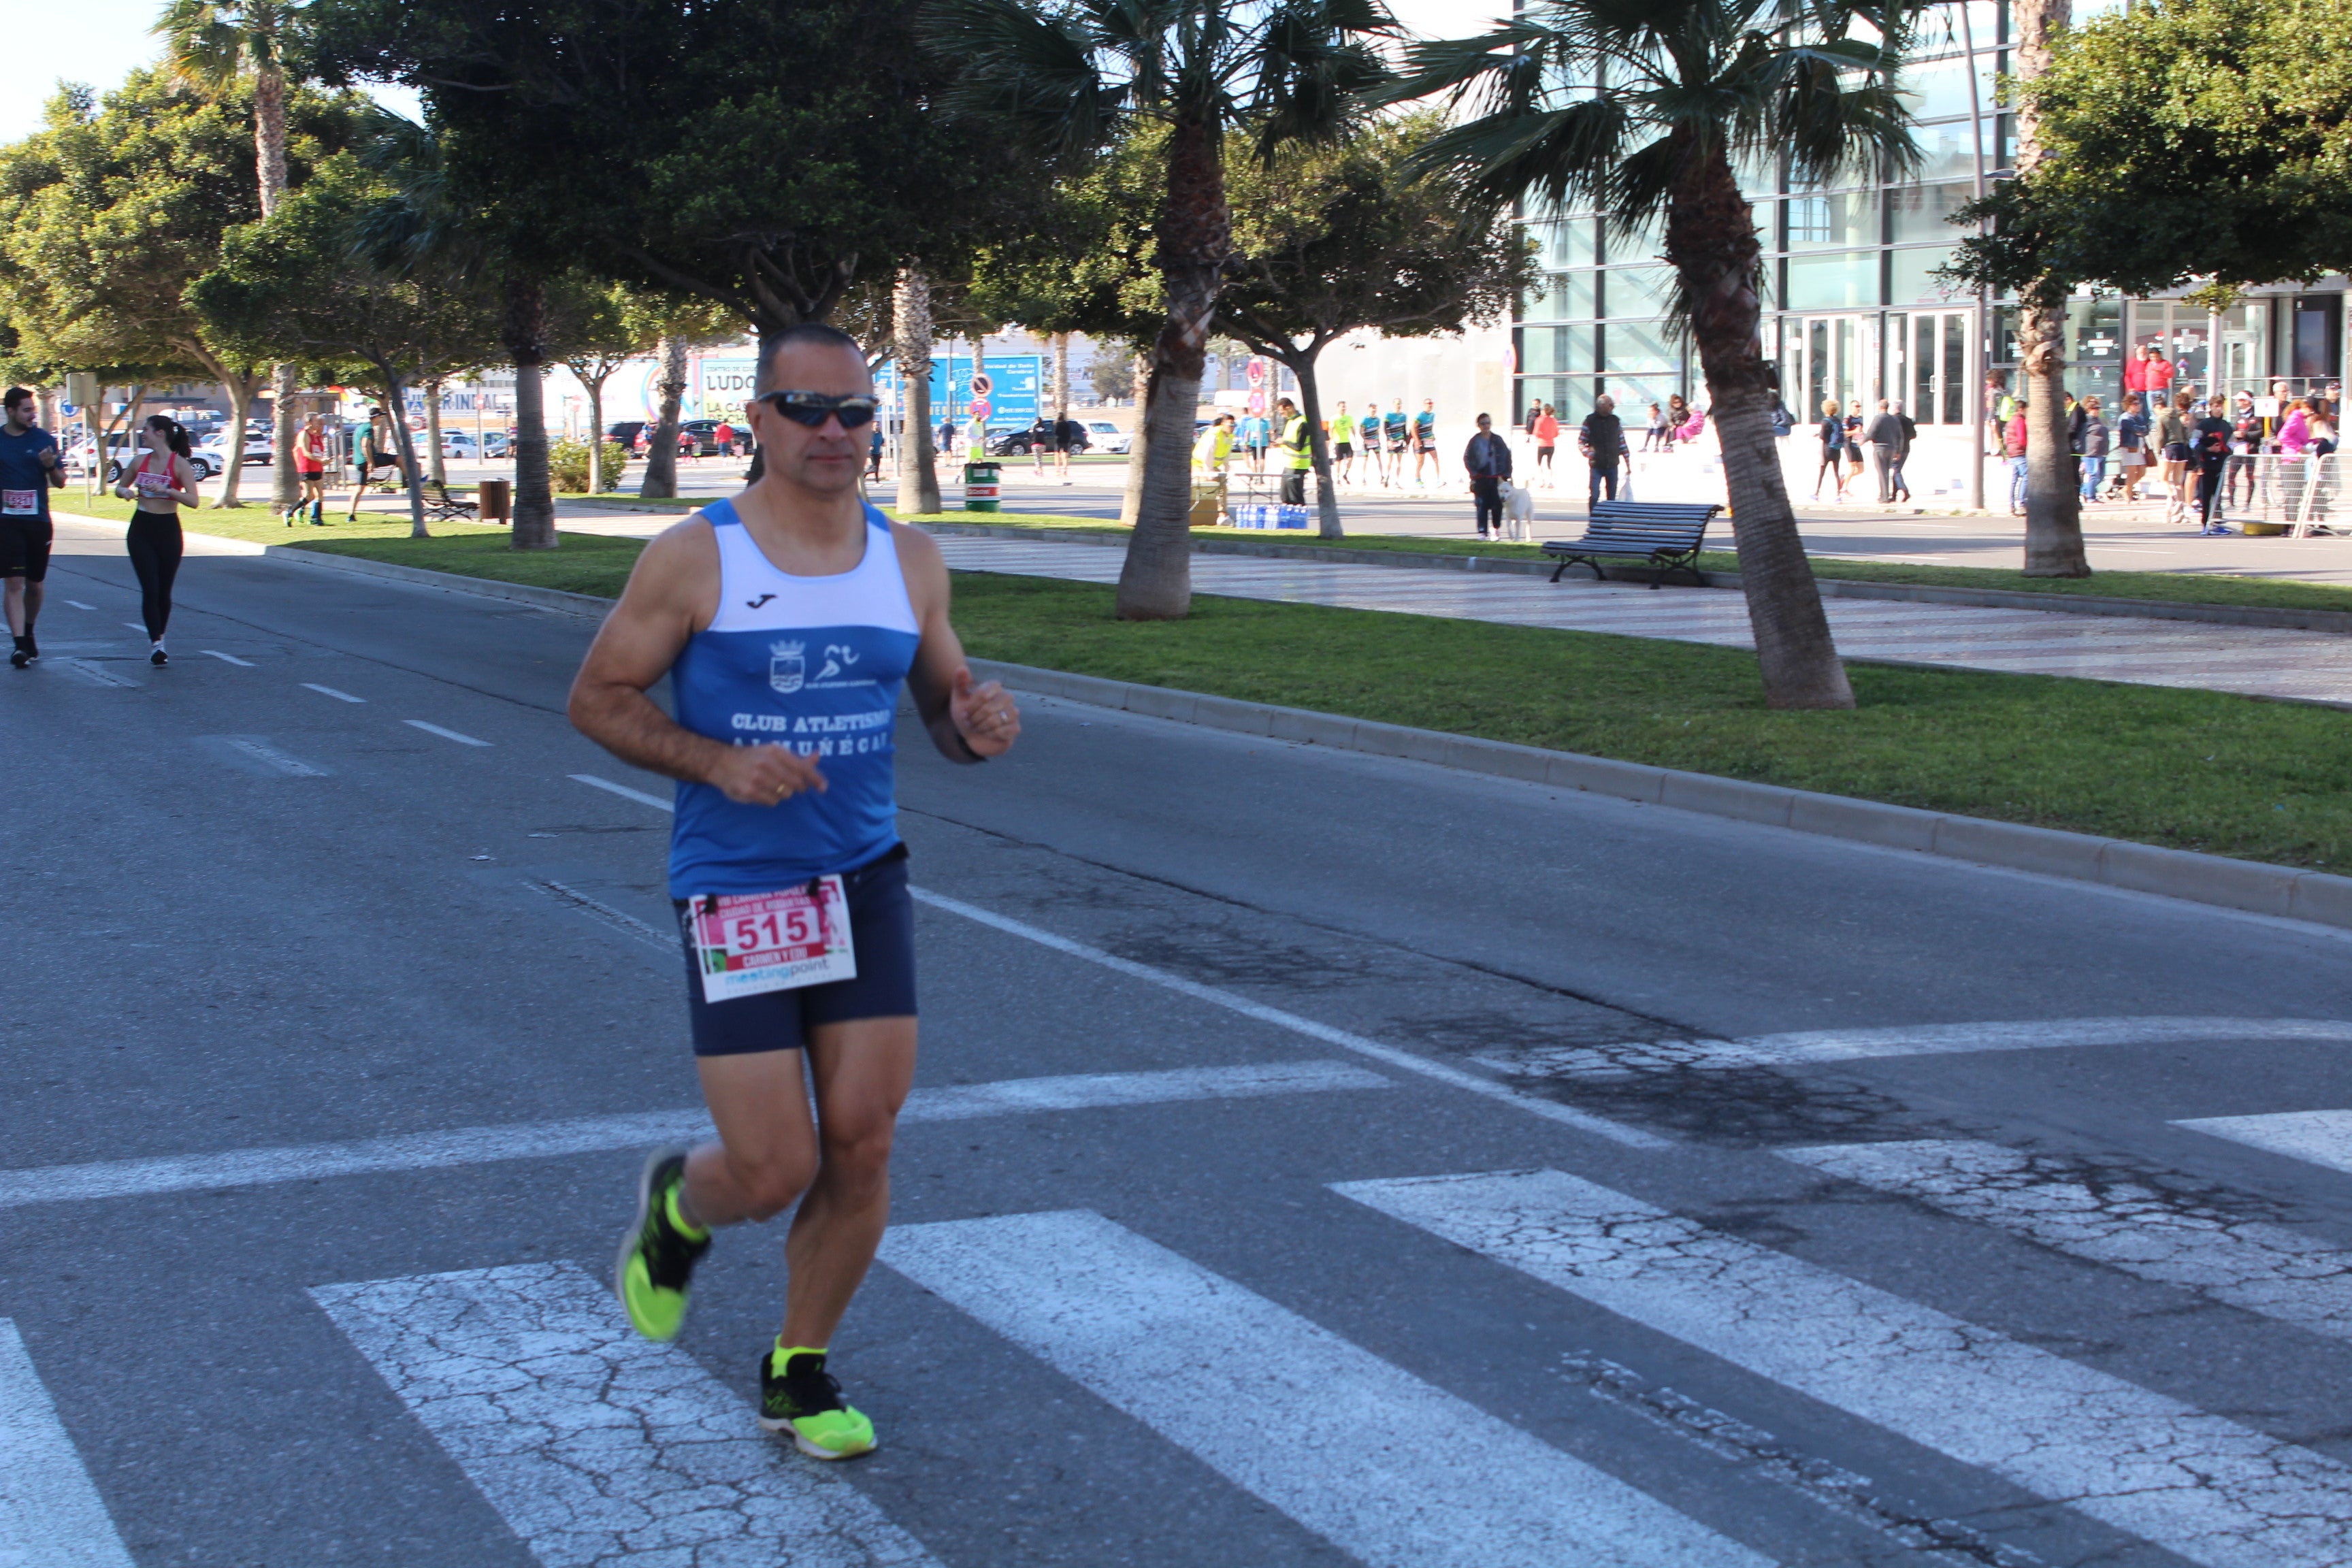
{"x": 625, "y": 792}
{"x": 139, "y": 627}
{"x": 2196, "y": 1484}
{"x": 445, "y": 734}
{"x": 51, "y": 1514}
{"x": 103, "y": 677}
{"x": 1628, "y": 1057}
{"x": 337, "y": 695}
{"x": 77, "y": 605}
{"x": 262, "y": 751}
{"x": 595, "y": 1444}
{"x": 2321, "y": 1137}
{"x": 1567, "y": 1115}
{"x": 1550, "y": 1110}
{"x": 592, "y": 1134}
{"x": 2107, "y": 1218}
{"x": 227, "y": 657}
{"x": 1393, "y": 1472}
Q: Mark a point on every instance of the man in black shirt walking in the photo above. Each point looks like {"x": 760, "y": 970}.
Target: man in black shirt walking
{"x": 1488, "y": 459}
{"x": 1602, "y": 439}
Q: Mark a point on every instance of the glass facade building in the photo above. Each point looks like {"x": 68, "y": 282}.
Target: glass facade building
{"x": 1852, "y": 305}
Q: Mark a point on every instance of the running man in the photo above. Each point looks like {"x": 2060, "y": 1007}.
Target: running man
{"x": 1424, "y": 440}
{"x": 1392, "y": 425}
{"x": 1343, "y": 432}
{"x": 28, "y": 470}
{"x": 373, "y": 452}
{"x": 311, "y": 468}
{"x": 793, "y": 610}
{"x": 1368, "y": 427}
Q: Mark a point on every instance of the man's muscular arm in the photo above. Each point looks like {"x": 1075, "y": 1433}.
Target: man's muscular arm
{"x": 968, "y": 722}
{"x": 669, "y": 597}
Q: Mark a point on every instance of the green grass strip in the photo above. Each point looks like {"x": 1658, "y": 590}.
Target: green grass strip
{"x": 2192, "y": 769}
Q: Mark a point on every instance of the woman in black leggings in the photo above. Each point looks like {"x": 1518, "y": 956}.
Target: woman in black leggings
{"x": 162, "y": 481}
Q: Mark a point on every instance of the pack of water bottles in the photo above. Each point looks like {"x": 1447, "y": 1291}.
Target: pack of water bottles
{"x": 1262, "y": 514}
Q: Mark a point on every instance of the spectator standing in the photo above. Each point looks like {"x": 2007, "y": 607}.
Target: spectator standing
{"x": 2159, "y": 376}
{"x": 2094, "y": 438}
{"x": 1487, "y": 459}
{"x": 1546, "y": 431}
{"x": 2012, "y": 437}
{"x": 1297, "y": 447}
{"x": 1832, "y": 434}
{"x": 874, "y": 453}
{"x": 1910, "y": 437}
{"x": 1998, "y": 408}
{"x": 726, "y": 435}
{"x": 1041, "y": 441}
{"x": 975, "y": 440}
{"x": 2245, "y": 444}
{"x": 1602, "y": 439}
{"x": 1884, "y": 434}
{"x": 1213, "y": 454}
{"x": 2136, "y": 373}
{"x": 2131, "y": 443}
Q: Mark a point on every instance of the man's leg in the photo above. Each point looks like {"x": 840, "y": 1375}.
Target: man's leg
{"x": 862, "y": 1070}
{"x": 1605, "y": 482}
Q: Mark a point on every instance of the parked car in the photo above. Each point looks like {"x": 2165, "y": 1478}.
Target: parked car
{"x": 75, "y": 456}
{"x": 1102, "y": 435}
{"x": 1012, "y": 443}
{"x": 699, "y": 438}
{"x": 626, "y": 432}
{"x": 211, "y": 455}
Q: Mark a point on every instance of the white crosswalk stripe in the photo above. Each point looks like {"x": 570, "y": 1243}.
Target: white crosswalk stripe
{"x": 50, "y": 1515}
{"x": 593, "y": 1444}
{"x": 2122, "y": 1223}
{"x": 1813, "y": 1048}
{"x": 2320, "y": 1137}
{"x": 1393, "y": 1472}
{"x": 2208, "y": 1489}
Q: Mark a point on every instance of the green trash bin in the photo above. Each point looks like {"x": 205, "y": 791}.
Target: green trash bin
{"x": 980, "y": 487}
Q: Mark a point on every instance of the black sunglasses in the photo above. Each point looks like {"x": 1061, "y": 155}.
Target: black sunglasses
{"x": 810, "y": 408}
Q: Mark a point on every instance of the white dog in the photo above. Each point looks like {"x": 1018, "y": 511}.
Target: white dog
{"x": 1518, "y": 513}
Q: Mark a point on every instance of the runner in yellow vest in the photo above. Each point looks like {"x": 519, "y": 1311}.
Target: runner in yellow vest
{"x": 1295, "y": 444}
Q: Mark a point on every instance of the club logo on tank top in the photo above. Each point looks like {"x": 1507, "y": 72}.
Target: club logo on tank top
{"x": 786, "y": 667}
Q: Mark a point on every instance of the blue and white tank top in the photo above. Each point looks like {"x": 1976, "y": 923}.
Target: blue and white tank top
{"x": 813, "y": 663}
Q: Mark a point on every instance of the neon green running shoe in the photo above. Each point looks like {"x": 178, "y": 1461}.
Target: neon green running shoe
{"x": 658, "y": 1256}
{"x": 800, "y": 1397}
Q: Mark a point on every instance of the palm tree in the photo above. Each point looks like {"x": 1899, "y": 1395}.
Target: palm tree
{"x": 918, "y": 477}
{"x": 1075, "y": 80}
{"x": 210, "y": 44}
{"x": 2053, "y": 503}
{"x": 1638, "y": 107}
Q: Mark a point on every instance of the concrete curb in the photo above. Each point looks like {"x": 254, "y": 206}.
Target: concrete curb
{"x": 1831, "y": 587}
{"x": 2316, "y": 896}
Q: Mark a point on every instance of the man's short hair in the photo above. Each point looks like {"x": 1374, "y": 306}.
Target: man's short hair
{"x": 1604, "y": 403}
{"x": 814, "y": 333}
{"x": 15, "y": 395}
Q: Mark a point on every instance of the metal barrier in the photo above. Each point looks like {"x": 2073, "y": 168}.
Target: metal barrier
{"x": 2274, "y": 493}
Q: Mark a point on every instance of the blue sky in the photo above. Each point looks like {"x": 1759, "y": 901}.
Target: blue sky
{"x": 93, "y": 41}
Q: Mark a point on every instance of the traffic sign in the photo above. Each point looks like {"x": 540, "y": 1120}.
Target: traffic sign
{"x": 1256, "y": 372}
{"x": 980, "y": 405}
{"x": 1257, "y": 402}
{"x": 982, "y": 386}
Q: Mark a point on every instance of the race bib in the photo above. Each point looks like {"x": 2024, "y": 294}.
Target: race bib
{"x": 155, "y": 484}
{"x": 749, "y": 943}
{"x": 20, "y": 504}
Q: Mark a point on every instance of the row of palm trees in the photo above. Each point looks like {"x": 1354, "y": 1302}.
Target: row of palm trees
{"x": 1640, "y": 109}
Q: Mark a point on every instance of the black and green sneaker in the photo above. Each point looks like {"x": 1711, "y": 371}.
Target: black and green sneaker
{"x": 798, "y": 1396}
{"x": 659, "y": 1250}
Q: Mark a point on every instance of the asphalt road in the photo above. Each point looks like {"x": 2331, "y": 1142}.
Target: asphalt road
{"x": 1315, "y": 1159}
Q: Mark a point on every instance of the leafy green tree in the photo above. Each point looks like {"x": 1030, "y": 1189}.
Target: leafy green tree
{"x": 1337, "y": 239}
{"x": 301, "y": 286}
{"x": 108, "y": 213}
{"x": 2178, "y": 142}
{"x": 1641, "y": 106}
{"x": 597, "y": 326}
{"x": 248, "y": 48}
{"x": 1077, "y": 79}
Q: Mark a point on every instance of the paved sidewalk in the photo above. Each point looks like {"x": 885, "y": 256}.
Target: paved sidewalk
{"x": 2254, "y": 662}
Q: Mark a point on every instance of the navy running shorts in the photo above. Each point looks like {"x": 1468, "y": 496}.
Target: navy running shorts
{"x": 25, "y": 547}
{"x": 881, "y": 929}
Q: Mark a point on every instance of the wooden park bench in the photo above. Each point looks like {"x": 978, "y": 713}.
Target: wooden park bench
{"x": 440, "y": 506}
{"x": 1665, "y": 534}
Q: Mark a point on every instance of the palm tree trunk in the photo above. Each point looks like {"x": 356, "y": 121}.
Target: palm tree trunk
{"x": 436, "y": 463}
{"x": 1195, "y": 233}
{"x": 1711, "y": 242}
{"x": 918, "y": 474}
{"x": 1061, "y": 374}
{"x": 661, "y": 447}
{"x": 526, "y": 339}
{"x": 270, "y": 170}
{"x": 595, "y": 433}
{"x": 2053, "y": 499}
{"x": 1130, "y": 501}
